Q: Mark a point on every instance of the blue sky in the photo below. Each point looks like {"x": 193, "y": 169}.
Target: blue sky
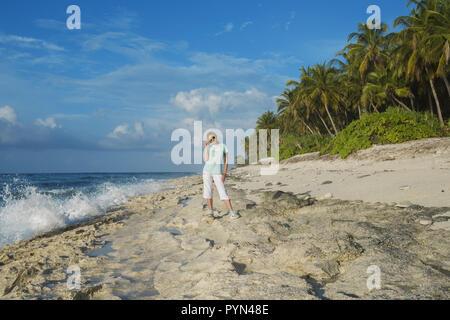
{"x": 107, "y": 97}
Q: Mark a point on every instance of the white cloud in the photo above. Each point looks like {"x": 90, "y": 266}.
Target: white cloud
{"x": 139, "y": 131}
{"x": 47, "y": 123}
{"x": 150, "y": 82}
{"x": 26, "y": 42}
{"x": 123, "y": 43}
{"x": 8, "y": 114}
{"x": 68, "y": 116}
{"x": 51, "y": 24}
{"x": 121, "y": 19}
{"x": 228, "y": 28}
{"x": 133, "y": 137}
{"x": 27, "y": 136}
{"x": 246, "y": 24}
{"x": 50, "y": 122}
{"x": 125, "y": 131}
{"x": 119, "y": 131}
{"x": 212, "y": 100}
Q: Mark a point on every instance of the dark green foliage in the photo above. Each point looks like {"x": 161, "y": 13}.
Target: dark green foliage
{"x": 393, "y": 126}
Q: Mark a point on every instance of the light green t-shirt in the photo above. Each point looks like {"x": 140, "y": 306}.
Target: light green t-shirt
{"x": 215, "y": 162}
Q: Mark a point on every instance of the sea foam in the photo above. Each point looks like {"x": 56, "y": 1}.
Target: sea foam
{"x": 28, "y": 211}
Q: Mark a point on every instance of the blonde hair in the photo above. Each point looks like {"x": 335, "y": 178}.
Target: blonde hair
{"x": 211, "y": 133}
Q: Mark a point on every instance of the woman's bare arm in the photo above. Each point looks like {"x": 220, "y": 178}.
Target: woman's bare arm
{"x": 206, "y": 153}
{"x": 225, "y": 167}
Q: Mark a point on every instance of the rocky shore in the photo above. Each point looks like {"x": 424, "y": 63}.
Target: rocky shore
{"x": 316, "y": 230}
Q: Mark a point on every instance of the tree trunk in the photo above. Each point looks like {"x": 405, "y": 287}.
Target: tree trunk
{"x": 304, "y": 123}
{"x": 318, "y": 130}
{"x": 436, "y": 99}
{"x": 359, "y": 110}
{"x": 401, "y": 103}
{"x": 375, "y": 108}
{"x": 411, "y": 100}
{"x": 331, "y": 119}
{"x": 325, "y": 124}
{"x": 438, "y": 106}
{"x": 444, "y": 77}
{"x": 430, "y": 102}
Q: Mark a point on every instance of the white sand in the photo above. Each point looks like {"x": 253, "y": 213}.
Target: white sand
{"x": 388, "y": 174}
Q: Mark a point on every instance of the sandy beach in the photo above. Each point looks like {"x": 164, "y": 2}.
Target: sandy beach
{"x": 312, "y": 231}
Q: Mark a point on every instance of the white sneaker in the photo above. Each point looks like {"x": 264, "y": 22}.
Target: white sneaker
{"x": 234, "y": 215}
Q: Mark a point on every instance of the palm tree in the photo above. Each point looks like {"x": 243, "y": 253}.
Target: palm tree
{"x": 287, "y": 112}
{"x": 350, "y": 80}
{"x": 417, "y": 36}
{"x": 301, "y": 107}
{"x": 291, "y": 110}
{"x": 382, "y": 86}
{"x": 373, "y": 71}
{"x": 267, "y": 120}
{"x": 437, "y": 20}
{"x": 320, "y": 84}
{"x": 368, "y": 50}
{"x": 363, "y": 55}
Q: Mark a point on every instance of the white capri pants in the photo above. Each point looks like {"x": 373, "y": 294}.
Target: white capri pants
{"x": 208, "y": 186}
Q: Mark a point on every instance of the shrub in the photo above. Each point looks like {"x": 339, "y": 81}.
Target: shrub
{"x": 292, "y": 145}
{"x": 393, "y": 126}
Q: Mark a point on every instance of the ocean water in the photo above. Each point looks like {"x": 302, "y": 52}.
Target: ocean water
{"x": 34, "y": 203}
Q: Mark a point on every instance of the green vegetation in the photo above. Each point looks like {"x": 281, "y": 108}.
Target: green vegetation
{"x": 347, "y": 100}
{"x": 393, "y": 126}
{"x": 293, "y": 145}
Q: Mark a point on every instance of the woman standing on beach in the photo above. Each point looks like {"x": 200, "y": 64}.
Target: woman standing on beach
{"x": 216, "y": 155}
